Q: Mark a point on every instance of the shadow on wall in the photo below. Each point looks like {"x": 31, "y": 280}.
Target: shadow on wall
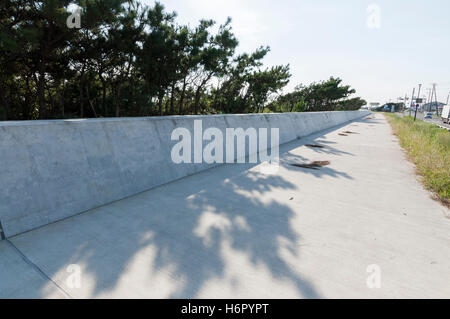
{"x": 220, "y": 228}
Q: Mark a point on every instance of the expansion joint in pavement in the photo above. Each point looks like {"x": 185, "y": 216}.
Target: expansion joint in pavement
{"x": 2, "y": 233}
{"x": 38, "y": 270}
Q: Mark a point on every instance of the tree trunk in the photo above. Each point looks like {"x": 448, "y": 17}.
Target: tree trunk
{"x": 5, "y": 103}
{"x": 41, "y": 92}
{"x": 117, "y": 100}
{"x": 197, "y": 100}
{"x": 198, "y": 91}
{"x": 63, "y": 100}
{"x": 52, "y": 100}
{"x": 160, "y": 103}
{"x": 183, "y": 93}
{"x": 81, "y": 100}
{"x": 26, "y": 109}
{"x": 91, "y": 104}
{"x": 172, "y": 99}
{"x": 105, "y": 111}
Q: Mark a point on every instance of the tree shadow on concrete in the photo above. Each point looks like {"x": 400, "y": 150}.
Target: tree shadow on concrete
{"x": 297, "y": 152}
{"x": 326, "y": 148}
{"x": 190, "y": 230}
{"x": 187, "y": 229}
{"x": 233, "y": 213}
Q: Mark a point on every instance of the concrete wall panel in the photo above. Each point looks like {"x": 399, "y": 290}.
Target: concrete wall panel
{"x": 50, "y": 170}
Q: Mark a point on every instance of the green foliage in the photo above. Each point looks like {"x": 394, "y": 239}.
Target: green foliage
{"x": 126, "y": 60}
{"x": 428, "y": 146}
{"x": 328, "y": 95}
{"x": 129, "y": 59}
{"x": 350, "y": 104}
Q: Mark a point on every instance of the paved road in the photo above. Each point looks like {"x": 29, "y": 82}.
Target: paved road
{"x": 233, "y": 232}
{"x": 420, "y": 116}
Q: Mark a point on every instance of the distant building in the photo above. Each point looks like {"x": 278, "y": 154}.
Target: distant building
{"x": 374, "y": 105}
{"x": 431, "y": 107}
{"x": 390, "y": 107}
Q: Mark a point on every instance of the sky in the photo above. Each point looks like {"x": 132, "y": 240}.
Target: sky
{"x": 383, "y": 49}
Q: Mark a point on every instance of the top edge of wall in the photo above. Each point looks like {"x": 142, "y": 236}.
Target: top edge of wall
{"x": 147, "y": 118}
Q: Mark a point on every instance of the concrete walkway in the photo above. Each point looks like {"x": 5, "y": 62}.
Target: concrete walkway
{"x": 232, "y": 232}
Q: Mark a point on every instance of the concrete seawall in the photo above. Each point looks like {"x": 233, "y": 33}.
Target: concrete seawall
{"x": 51, "y": 170}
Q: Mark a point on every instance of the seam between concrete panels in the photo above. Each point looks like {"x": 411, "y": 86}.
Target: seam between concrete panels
{"x": 38, "y": 270}
{"x": 2, "y": 233}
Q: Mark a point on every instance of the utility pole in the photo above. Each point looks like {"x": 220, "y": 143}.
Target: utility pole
{"x": 435, "y": 99}
{"x": 429, "y": 99}
{"x": 404, "y": 103}
{"x": 448, "y": 96}
{"x": 412, "y": 101}
{"x": 417, "y": 104}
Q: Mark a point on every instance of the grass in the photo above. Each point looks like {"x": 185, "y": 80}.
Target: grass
{"x": 428, "y": 146}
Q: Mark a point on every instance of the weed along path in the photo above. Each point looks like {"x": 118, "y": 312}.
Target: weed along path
{"x": 344, "y": 216}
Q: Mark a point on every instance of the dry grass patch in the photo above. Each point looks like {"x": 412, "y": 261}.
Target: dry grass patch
{"x": 428, "y": 146}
